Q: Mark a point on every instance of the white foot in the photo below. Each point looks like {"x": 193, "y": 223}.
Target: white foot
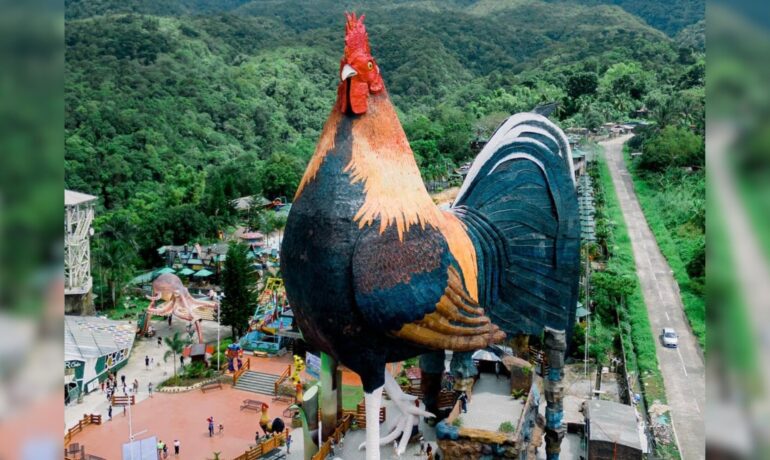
{"x": 404, "y": 421}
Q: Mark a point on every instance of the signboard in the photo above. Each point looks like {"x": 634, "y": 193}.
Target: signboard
{"x": 313, "y": 365}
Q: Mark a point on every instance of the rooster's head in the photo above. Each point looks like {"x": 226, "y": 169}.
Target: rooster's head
{"x": 359, "y": 73}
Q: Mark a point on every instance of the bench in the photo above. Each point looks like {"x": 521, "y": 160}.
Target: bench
{"x": 252, "y": 404}
{"x": 211, "y": 386}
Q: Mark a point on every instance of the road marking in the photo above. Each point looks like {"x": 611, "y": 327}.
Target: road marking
{"x": 697, "y": 407}
{"x": 667, "y": 318}
{"x": 682, "y": 361}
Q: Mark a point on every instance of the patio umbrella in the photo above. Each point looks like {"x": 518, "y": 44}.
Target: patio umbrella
{"x": 202, "y": 273}
{"x": 485, "y": 355}
{"x": 165, "y": 270}
{"x": 186, "y": 271}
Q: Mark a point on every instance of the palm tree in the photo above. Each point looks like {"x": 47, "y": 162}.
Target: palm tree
{"x": 176, "y": 345}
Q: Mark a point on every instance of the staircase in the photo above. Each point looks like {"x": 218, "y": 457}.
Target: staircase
{"x": 257, "y": 382}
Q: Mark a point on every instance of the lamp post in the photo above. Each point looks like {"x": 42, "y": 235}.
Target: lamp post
{"x": 219, "y": 308}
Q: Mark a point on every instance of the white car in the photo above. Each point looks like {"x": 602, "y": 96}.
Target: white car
{"x": 669, "y": 337}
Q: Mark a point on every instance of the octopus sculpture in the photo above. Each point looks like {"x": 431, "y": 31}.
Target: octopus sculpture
{"x": 177, "y": 301}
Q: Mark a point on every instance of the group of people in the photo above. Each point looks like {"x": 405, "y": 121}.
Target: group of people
{"x": 163, "y": 448}
{"x": 258, "y": 439}
{"x": 210, "y": 421}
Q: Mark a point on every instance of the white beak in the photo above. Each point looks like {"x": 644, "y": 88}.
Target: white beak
{"x": 347, "y": 72}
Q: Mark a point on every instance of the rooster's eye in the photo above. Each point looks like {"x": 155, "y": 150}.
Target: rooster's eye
{"x": 370, "y": 65}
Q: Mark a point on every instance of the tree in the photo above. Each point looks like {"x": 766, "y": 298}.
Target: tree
{"x": 582, "y": 83}
{"x": 176, "y": 346}
{"x": 114, "y": 257}
{"x": 282, "y": 174}
{"x": 238, "y": 285}
{"x": 672, "y": 146}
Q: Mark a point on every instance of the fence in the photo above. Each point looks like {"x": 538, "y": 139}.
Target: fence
{"x": 123, "y": 400}
{"x": 284, "y": 375}
{"x": 336, "y": 436}
{"x": 87, "y": 419}
{"x": 263, "y": 448}
{"x": 361, "y": 415}
{"x": 241, "y": 371}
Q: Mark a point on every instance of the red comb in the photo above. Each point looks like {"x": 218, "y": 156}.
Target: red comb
{"x": 356, "y": 39}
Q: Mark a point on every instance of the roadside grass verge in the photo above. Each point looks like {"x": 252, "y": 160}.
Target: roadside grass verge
{"x": 731, "y": 335}
{"x": 672, "y": 243}
{"x": 634, "y": 321}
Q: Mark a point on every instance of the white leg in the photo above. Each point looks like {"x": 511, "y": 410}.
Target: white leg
{"x": 410, "y": 412}
{"x": 373, "y": 402}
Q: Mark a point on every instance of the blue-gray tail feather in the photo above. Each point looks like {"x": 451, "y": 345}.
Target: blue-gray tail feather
{"x": 520, "y": 206}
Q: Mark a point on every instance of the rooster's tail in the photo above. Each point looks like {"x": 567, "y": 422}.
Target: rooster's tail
{"x": 520, "y": 206}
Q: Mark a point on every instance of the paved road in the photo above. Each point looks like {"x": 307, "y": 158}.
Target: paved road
{"x": 682, "y": 368}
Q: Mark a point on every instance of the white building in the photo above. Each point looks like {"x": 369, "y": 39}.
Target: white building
{"x": 78, "y": 216}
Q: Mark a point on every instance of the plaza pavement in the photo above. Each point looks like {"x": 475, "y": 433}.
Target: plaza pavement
{"x": 683, "y": 367}
{"x": 96, "y": 401}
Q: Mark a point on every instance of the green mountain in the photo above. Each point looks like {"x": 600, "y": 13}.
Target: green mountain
{"x": 670, "y": 17}
{"x": 172, "y": 112}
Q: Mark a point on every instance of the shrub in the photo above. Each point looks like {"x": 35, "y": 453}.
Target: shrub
{"x": 672, "y": 146}
{"x": 507, "y": 427}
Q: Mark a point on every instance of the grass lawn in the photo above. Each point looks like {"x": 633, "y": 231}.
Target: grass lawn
{"x": 651, "y": 198}
{"x": 351, "y": 396}
{"x": 635, "y": 324}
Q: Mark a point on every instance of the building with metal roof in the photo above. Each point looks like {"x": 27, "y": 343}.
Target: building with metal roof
{"x": 613, "y": 431}
{"x": 93, "y": 346}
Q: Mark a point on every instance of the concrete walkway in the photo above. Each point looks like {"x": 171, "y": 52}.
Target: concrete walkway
{"x": 682, "y": 368}
{"x": 96, "y": 401}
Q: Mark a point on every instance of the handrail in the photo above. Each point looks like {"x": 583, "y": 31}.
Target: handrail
{"x": 241, "y": 371}
{"x": 87, "y": 419}
{"x": 339, "y": 432}
{"x": 263, "y": 447}
{"x": 282, "y": 378}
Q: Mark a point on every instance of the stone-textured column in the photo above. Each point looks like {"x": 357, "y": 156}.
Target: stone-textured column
{"x": 432, "y": 368}
{"x": 555, "y": 346}
{"x": 329, "y": 390}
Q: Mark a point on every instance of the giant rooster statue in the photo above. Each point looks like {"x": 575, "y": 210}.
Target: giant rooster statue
{"x": 377, "y": 273}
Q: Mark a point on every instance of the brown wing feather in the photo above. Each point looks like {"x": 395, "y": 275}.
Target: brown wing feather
{"x": 458, "y": 323}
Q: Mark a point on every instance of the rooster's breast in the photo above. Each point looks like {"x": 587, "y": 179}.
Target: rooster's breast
{"x": 317, "y": 250}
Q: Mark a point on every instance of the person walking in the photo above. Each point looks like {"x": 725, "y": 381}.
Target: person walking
{"x": 176, "y": 447}
{"x": 464, "y": 402}
{"x": 160, "y": 342}
{"x": 165, "y": 450}
{"x": 123, "y": 380}
{"x": 149, "y": 389}
{"x": 169, "y": 320}
{"x": 147, "y": 362}
{"x": 429, "y": 452}
{"x": 181, "y": 361}
{"x": 136, "y": 386}
{"x": 422, "y": 445}
{"x": 288, "y": 442}
{"x": 159, "y": 448}
{"x": 109, "y": 412}
{"x": 256, "y": 437}
{"x": 211, "y": 426}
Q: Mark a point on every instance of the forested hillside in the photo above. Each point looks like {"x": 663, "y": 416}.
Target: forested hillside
{"x": 173, "y": 112}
